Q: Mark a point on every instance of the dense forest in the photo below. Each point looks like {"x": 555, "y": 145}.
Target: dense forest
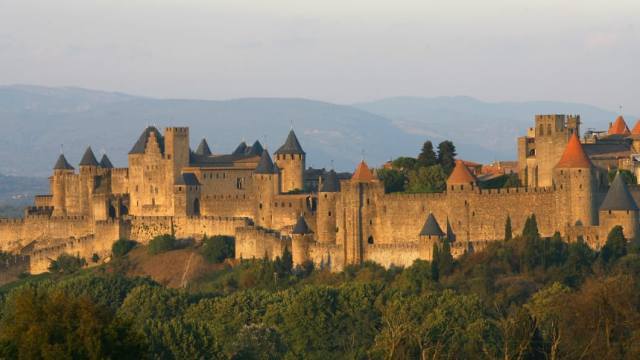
{"x": 526, "y": 297}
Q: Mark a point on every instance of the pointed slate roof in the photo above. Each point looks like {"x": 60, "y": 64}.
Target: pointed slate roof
{"x": 265, "y": 165}
{"x": 105, "y": 163}
{"x": 618, "y": 196}
{"x": 330, "y": 183}
{"x": 301, "y": 227}
{"x": 574, "y": 156}
{"x": 89, "y": 158}
{"x": 619, "y": 127}
{"x": 242, "y": 147}
{"x": 291, "y": 145}
{"x": 362, "y": 173}
{"x": 141, "y": 145}
{"x": 461, "y": 174}
{"x": 431, "y": 227}
{"x": 62, "y": 164}
{"x": 203, "y": 149}
{"x": 255, "y": 149}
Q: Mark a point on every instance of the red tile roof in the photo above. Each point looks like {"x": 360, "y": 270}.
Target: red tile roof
{"x": 362, "y": 173}
{"x": 636, "y": 128}
{"x": 460, "y": 174}
{"x": 619, "y": 127}
{"x": 574, "y": 155}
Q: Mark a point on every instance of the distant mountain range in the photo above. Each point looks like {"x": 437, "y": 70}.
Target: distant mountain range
{"x": 36, "y": 121}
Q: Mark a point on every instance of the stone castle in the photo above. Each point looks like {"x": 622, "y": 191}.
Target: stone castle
{"x": 260, "y": 199}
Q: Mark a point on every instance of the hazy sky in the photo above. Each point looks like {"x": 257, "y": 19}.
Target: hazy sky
{"x": 335, "y": 50}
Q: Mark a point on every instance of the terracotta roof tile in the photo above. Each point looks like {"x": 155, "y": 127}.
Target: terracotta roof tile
{"x": 461, "y": 174}
{"x": 362, "y": 173}
{"x": 619, "y": 127}
{"x": 574, "y": 155}
{"x": 636, "y": 128}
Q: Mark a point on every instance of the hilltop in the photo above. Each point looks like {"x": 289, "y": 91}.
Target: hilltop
{"x": 38, "y": 120}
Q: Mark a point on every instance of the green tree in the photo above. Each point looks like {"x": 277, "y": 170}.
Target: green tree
{"x": 427, "y": 156}
{"x": 121, "y": 247}
{"x": 435, "y": 263}
{"x": 162, "y": 243}
{"x": 404, "y": 163}
{"x": 427, "y": 180}
{"x": 218, "y": 248}
{"x": 447, "y": 156}
{"x": 445, "y": 259}
{"x": 394, "y": 180}
{"x": 508, "y": 232}
{"x": 615, "y": 247}
{"x": 39, "y": 324}
{"x": 258, "y": 342}
{"x": 66, "y": 264}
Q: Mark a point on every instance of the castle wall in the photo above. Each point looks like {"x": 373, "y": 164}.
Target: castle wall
{"x": 387, "y": 255}
{"x": 145, "y": 228}
{"x": 255, "y": 243}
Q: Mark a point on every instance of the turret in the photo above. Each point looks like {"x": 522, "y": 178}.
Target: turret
{"x": 88, "y": 163}
{"x": 105, "y": 163}
{"x": 290, "y": 158}
{"x": 574, "y": 179}
{"x": 618, "y": 208}
{"x": 265, "y": 178}
{"x": 461, "y": 179}
{"x": 430, "y": 235}
{"x": 203, "y": 148}
{"x": 326, "y": 214}
{"x": 256, "y": 149}
{"x": 240, "y": 149}
{"x": 177, "y": 149}
{"x": 61, "y": 170}
{"x": 301, "y": 237}
{"x": 619, "y": 127}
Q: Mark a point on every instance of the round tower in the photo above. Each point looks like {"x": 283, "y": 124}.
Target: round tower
{"x": 618, "y": 208}
{"x": 265, "y": 178}
{"x": 430, "y": 235}
{"x": 290, "y": 159}
{"x": 300, "y": 239}
{"x": 574, "y": 180}
{"x": 461, "y": 179}
{"x": 61, "y": 170}
{"x": 326, "y": 214}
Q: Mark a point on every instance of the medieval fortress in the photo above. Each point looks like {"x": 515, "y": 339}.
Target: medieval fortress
{"x": 259, "y": 199}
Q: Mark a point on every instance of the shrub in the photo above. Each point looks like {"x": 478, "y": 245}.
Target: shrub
{"x": 162, "y": 243}
{"x": 122, "y": 247}
{"x": 217, "y": 248}
{"x": 66, "y": 264}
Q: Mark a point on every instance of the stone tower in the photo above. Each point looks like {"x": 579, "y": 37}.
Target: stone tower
{"x": 88, "y": 171}
{"x": 265, "y": 178}
{"x": 461, "y": 179}
{"x": 575, "y": 181}
{"x": 149, "y": 180}
{"x": 62, "y": 170}
{"x": 177, "y": 149}
{"x": 551, "y": 134}
{"x": 356, "y": 194}
{"x": 301, "y": 236}
{"x": 290, "y": 158}
{"x": 430, "y": 234}
{"x": 326, "y": 220}
{"x": 618, "y": 208}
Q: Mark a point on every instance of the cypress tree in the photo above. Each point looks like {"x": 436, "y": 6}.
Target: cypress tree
{"x": 508, "y": 232}
{"x": 435, "y": 261}
{"x": 427, "y": 157}
{"x": 447, "y": 156}
{"x": 445, "y": 259}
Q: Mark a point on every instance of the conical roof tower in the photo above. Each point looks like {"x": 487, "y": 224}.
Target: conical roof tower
{"x": 618, "y": 197}
{"x": 574, "y": 155}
